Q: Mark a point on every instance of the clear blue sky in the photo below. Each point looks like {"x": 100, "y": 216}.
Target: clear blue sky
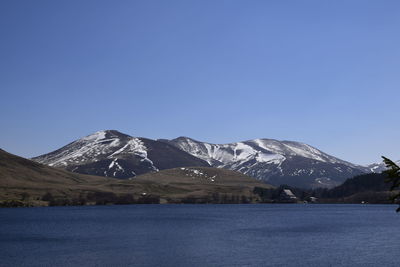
{"x": 326, "y": 73}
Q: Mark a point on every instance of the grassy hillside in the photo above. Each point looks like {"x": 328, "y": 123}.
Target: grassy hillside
{"x": 21, "y": 176}
{"x": 198, "y": 184}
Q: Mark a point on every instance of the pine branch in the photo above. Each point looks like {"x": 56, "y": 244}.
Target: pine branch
{"x": 393, "y": 176}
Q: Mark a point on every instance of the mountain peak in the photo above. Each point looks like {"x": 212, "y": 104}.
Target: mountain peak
{"x": 106, "y": 134}
{"x": 184, "y": 138}
{"x": 115, "y": 154}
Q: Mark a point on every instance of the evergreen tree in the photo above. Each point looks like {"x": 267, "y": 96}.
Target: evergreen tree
{"x": 393, "y": 177}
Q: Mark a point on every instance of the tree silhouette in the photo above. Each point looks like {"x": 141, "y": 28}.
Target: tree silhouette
{"x": 393, "y": 177}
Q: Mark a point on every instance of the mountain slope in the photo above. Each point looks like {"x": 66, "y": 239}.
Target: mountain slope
{"x": 206, "y": 185}
{"x": 22, "y": 176}
{"x": 25, "y": 182}
{"x": 202, "y": 176}
{"x": 114, "y": 154}
{"x": 15, "y": 170}
{"x": 379, "y": 167}
{"x": 277, "y": 162}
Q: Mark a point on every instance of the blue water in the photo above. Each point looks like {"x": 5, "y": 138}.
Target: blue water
{"x": 201, "y": 235}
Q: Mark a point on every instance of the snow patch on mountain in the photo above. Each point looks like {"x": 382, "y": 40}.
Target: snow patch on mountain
{"x": 114, "y": 167}
{"x": 260, "y": 150}
{"x": 101, "y": 145}
{"x": 82, "y": 150}
{"x": 380, "y": 167}
{"x": 134, "y": 145}
{"x": 194, "y": 173}
{"x": 267, "y": 159}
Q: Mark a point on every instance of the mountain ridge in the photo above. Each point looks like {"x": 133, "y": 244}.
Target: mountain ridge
{"x": 274, "y": 161}
{"x": 111, "y": 153}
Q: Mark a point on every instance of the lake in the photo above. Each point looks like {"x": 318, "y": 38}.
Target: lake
{"x": 201, "y": 235}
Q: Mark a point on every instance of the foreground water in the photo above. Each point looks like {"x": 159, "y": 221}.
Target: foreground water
{"x": 201, "y": 235}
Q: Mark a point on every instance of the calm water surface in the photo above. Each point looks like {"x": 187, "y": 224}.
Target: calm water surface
{"x": 201, "y": 235}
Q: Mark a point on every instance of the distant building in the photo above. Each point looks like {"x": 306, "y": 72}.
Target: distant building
{"x": 287, "y": 196}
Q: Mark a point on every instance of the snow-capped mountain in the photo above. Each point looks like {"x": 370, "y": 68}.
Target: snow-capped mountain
{"x": 273, "y": 161}
{"x": 114, "y": 154}
{"x": 379, "y": 167}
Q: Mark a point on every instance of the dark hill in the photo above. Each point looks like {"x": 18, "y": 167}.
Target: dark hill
{"x": 372, "y": 182}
